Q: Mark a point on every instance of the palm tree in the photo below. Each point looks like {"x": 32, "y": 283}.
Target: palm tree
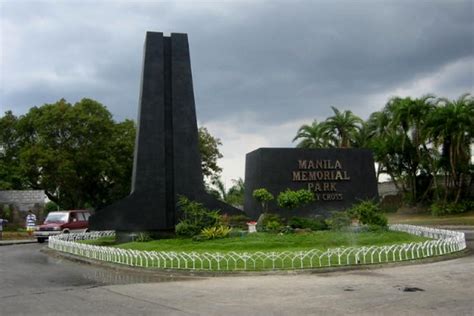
{"x": 362, "y": 137}
{"x": 343, "y": 126}
{"x": 235, "y": 195}
{"x": 408, "y": 117}
{"x": 312, "y": 136}
{"x": 452, "y": 125}
{"x": 411, "y": 115}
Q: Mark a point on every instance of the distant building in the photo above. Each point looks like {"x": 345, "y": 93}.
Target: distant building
{"x": 387, "y": 188}
{"x": 23, "y": 200}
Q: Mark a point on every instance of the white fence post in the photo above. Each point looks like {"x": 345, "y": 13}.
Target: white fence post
{"x": 444, "y": 241}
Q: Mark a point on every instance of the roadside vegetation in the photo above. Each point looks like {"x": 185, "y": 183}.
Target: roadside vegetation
{"x": 430, "y": 220}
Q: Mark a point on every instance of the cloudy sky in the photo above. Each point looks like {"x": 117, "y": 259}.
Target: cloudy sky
{"x": 260, "y": 68}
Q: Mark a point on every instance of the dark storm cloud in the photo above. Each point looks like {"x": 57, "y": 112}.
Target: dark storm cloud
{"x": 280, "y": 60}
{"x": 260, "y": 68}
{"x": 289, "y": 60}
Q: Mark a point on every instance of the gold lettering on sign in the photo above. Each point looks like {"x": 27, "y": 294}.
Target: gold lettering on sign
{"x": 322, "y": 176}
{"x": 319, "y": 164}
{"x": 296, "y": 176}
{"x": 302, "y": 164}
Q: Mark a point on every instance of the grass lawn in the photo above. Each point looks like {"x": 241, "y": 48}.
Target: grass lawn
{"x": 321, "y": 240}
{"x": 428, "y": 219}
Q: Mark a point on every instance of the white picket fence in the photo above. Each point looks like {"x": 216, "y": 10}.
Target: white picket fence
{"x": 443, "y": 242}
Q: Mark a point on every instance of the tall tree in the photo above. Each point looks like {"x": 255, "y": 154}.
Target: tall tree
{"x": 312, "y": 136}
{"x": 209, "y": 149}
{"x": 66, "y": 150}
{"x": 409, "y": 119}
{"x": 10, "y": 176}
{"x": 235, "y": 194}
{"x": 343, "y": 126}
{"x": 452, "y": 125}
{"x": 76, "y": 153}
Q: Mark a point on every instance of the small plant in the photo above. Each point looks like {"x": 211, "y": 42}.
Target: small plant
{"x": 287, "y": 230}
{"x": 339, "y": 221}
{"x": 368, "y": 213}
{"x": 273, "y": 226}
{"x": 270, "y": 222}
{"x": 441, "y": 208}
{"x": 293, "y": 199}
{"x": 215, "y": 232}
{"x": 314, "y": 224}
{"x": 142, "y": 237}
{"x": 195, "y": 217}
{"x": 263, "y": 197}
{"x": 186, "y": 229}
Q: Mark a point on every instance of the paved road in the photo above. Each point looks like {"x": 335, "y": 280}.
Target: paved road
{"x": 32, "y": 283}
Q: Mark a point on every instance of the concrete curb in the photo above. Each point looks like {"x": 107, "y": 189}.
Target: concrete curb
{"x": 198, "y": 274}
{"x": 17, "y": 242}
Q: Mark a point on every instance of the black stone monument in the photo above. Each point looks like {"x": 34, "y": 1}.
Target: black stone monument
{"x": 167, "y": 161}
{"x": 337, "y": 177}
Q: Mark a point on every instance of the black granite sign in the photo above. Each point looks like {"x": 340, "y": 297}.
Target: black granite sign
{"x": 337, "y": 177}
{"x": 167, "y": 162}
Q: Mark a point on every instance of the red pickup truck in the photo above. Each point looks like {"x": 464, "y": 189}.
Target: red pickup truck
{"x": 74, "y": 221}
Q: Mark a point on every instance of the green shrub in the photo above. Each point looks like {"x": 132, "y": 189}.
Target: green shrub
{"x": 235, "y": 221}
{"x": 215, "y": 232}
{"x": 14, "y": 227}
{"x": 292, "y": 199}
{"x": 368, "y": 213}
{"x": 441, "y": 208}
{"x": 195, "y": 217}
{"x": 314, "y": 224}
{"x": 270, "y": 222}
{"x": 142, "y": 237}
{"x": 263, "y": 197}
{"x": 7, "y": 213}
{"x": 287, "y": 230}
{"x": 339, "y": 221}
{"x": 185, "y": 229}
{"x": 273, "y": 226}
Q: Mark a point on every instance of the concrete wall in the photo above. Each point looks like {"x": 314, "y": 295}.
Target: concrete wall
{"x": 387, "y": 188}
{"x": 23, "y": 200}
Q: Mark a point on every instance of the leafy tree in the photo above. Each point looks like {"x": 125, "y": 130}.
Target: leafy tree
{"x": 263, "y": 197}
{"x": 77, "y": 153}
{"x": 10, "y": 176}
{"x": 293, "y": 199}
{"x": 70, "y": 152}
{"x": 208, "y": 147}
{"x": 218, "y": 188}
{"x": 235, "y": 195}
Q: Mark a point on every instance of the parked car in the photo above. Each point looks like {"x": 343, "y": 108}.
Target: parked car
{"x": 63, "y": 222}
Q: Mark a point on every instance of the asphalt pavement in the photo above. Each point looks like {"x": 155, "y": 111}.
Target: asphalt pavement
{"x": 33, "y": 283}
